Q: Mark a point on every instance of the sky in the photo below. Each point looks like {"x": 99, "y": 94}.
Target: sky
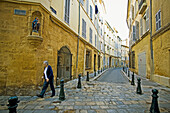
{"x": 116, "y": 16}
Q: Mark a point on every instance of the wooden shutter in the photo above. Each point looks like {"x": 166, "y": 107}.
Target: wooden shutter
{"x": 147, "y": 19}
{"x": 134, "y": 33}
{"x": 141, "y": 27}
{"x": 137, "y": 30}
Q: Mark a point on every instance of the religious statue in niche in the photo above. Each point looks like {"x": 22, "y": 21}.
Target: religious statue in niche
{"x": 35, "y": 25}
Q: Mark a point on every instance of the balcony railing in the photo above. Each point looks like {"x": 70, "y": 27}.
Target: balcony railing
{"x": 142, "y": 6}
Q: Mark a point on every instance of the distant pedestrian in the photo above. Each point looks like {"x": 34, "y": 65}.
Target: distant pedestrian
{"x": 49, "y": 79}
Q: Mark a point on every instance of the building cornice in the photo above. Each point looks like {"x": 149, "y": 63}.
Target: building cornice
{"x": 161, "y": 31}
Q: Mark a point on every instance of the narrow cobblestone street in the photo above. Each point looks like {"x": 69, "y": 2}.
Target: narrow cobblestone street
{"x": 95, "y": 97}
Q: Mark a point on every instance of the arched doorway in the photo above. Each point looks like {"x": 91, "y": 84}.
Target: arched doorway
{"x": 64, "y": 64}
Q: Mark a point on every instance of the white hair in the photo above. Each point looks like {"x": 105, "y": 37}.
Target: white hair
{"x": 45, "y": 62}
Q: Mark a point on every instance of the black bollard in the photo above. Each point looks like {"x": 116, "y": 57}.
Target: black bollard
{"x": 139, "y": 90}
{"x": 128, "y": 73}
{"x": 13, "y": 104}
{"x": 132, "y": 82}
{"x": 98, "y": 71}
{"x": 87, "y": 79}
{"x": 154, "y": 106}
{"x": 123, "y": 68}
{"x": 79, "y": 81}
{"x": 62, "y": 95}
{"x": 95, "y": 73}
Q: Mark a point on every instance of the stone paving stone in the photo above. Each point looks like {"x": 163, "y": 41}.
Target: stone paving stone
{"x": 104, "y": 107}
{"x": 101, "y": 111}
{"x": 69, "y": 107}
{"x": 91, "y": 111}
{"x": 122, "y": 110}
{"x": 83, "y": 111}
{"x": 95, "y": 107}
{"x": 30, "y": 107}
{"x": 28, "y": 111}
{"x": 111, "y": 111}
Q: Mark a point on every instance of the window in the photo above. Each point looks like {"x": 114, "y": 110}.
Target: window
{"x": 158, "y": 20}
{"x": 133, "y": 13}
{"x": 90, "y": 35}
{"x": 67, "y": 11}
{"x": 83, "y": 28}
{"x": 95, "y": 40}
{"x": 87, "y": 6}
{"x": 101, "y": 31}
{"x": 88, "y": 59}
{"x": 91, "y": 12}
{"x": 137, "y": 30}
{"x": 101, "y": 47}
{"x": 147, "y": 19}
{"x": 141, "y": 27}
{"x": 133, "y": 59}
{"x": 134, "y": 33}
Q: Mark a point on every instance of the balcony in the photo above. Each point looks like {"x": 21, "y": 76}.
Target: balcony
{"x": 142, "y": 6}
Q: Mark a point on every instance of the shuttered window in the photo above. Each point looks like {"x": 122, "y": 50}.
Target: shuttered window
{"x": 90, "y": 35}
{"x": 147, "y": 19}
{"x": 134, "y": 33}
{"x": 83, "y": 28}
{"x": 87, "y": 6}
{"x": 137, "y": 30}
{"x": 158, "y": 20}
{"x": 141, "y": 27}
{"x": 91, "y": 12}
{"x": 133, "y": 59}
{"x": 67, "y": 11}
{"x": 88, "y": 59}
{"x": 95, "y": 40}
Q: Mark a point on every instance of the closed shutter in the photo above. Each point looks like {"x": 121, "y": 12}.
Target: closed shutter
{"x": 95, "y": 40}
{"x": 134, "y": 33}
{"x": 147, "y": 19}
{"x": 137, "y": 30}
{"x": 141, "y": 27}
{"x": 87, "y": 6}
{"x": 67, "y": 11}
{"x": 91, "y": 12}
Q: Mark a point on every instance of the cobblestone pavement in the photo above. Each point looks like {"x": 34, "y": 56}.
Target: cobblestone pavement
{"x": 94, "y": 97}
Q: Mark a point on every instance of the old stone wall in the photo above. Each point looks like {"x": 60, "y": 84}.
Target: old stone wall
{"x": 22, "y": 54}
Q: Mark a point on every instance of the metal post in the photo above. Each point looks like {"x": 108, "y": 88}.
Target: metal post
{"x": 139, "y": 90}
{"x": 128, "y": 73}
{"x": 79, "y": 81}
{"x": 94, "y": 72}
{"x": 87, "y": 79}
{"x": 132, "y": 82}
{"x": 154, "y": 106}
{"x": 13, "y": 104}
{"x": 62, "y": 95}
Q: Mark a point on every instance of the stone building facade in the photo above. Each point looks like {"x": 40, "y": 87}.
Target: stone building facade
{"x": 69, "y": 38}
{"x": 148, "y": 22}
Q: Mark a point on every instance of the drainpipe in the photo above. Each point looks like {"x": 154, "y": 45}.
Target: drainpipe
{"x": 151, "y": 46}
{"x": 78, "y": 42}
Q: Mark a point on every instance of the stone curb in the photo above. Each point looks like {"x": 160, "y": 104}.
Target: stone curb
{"x": 126, "y": 75}
{"x": 98, "y": 75}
